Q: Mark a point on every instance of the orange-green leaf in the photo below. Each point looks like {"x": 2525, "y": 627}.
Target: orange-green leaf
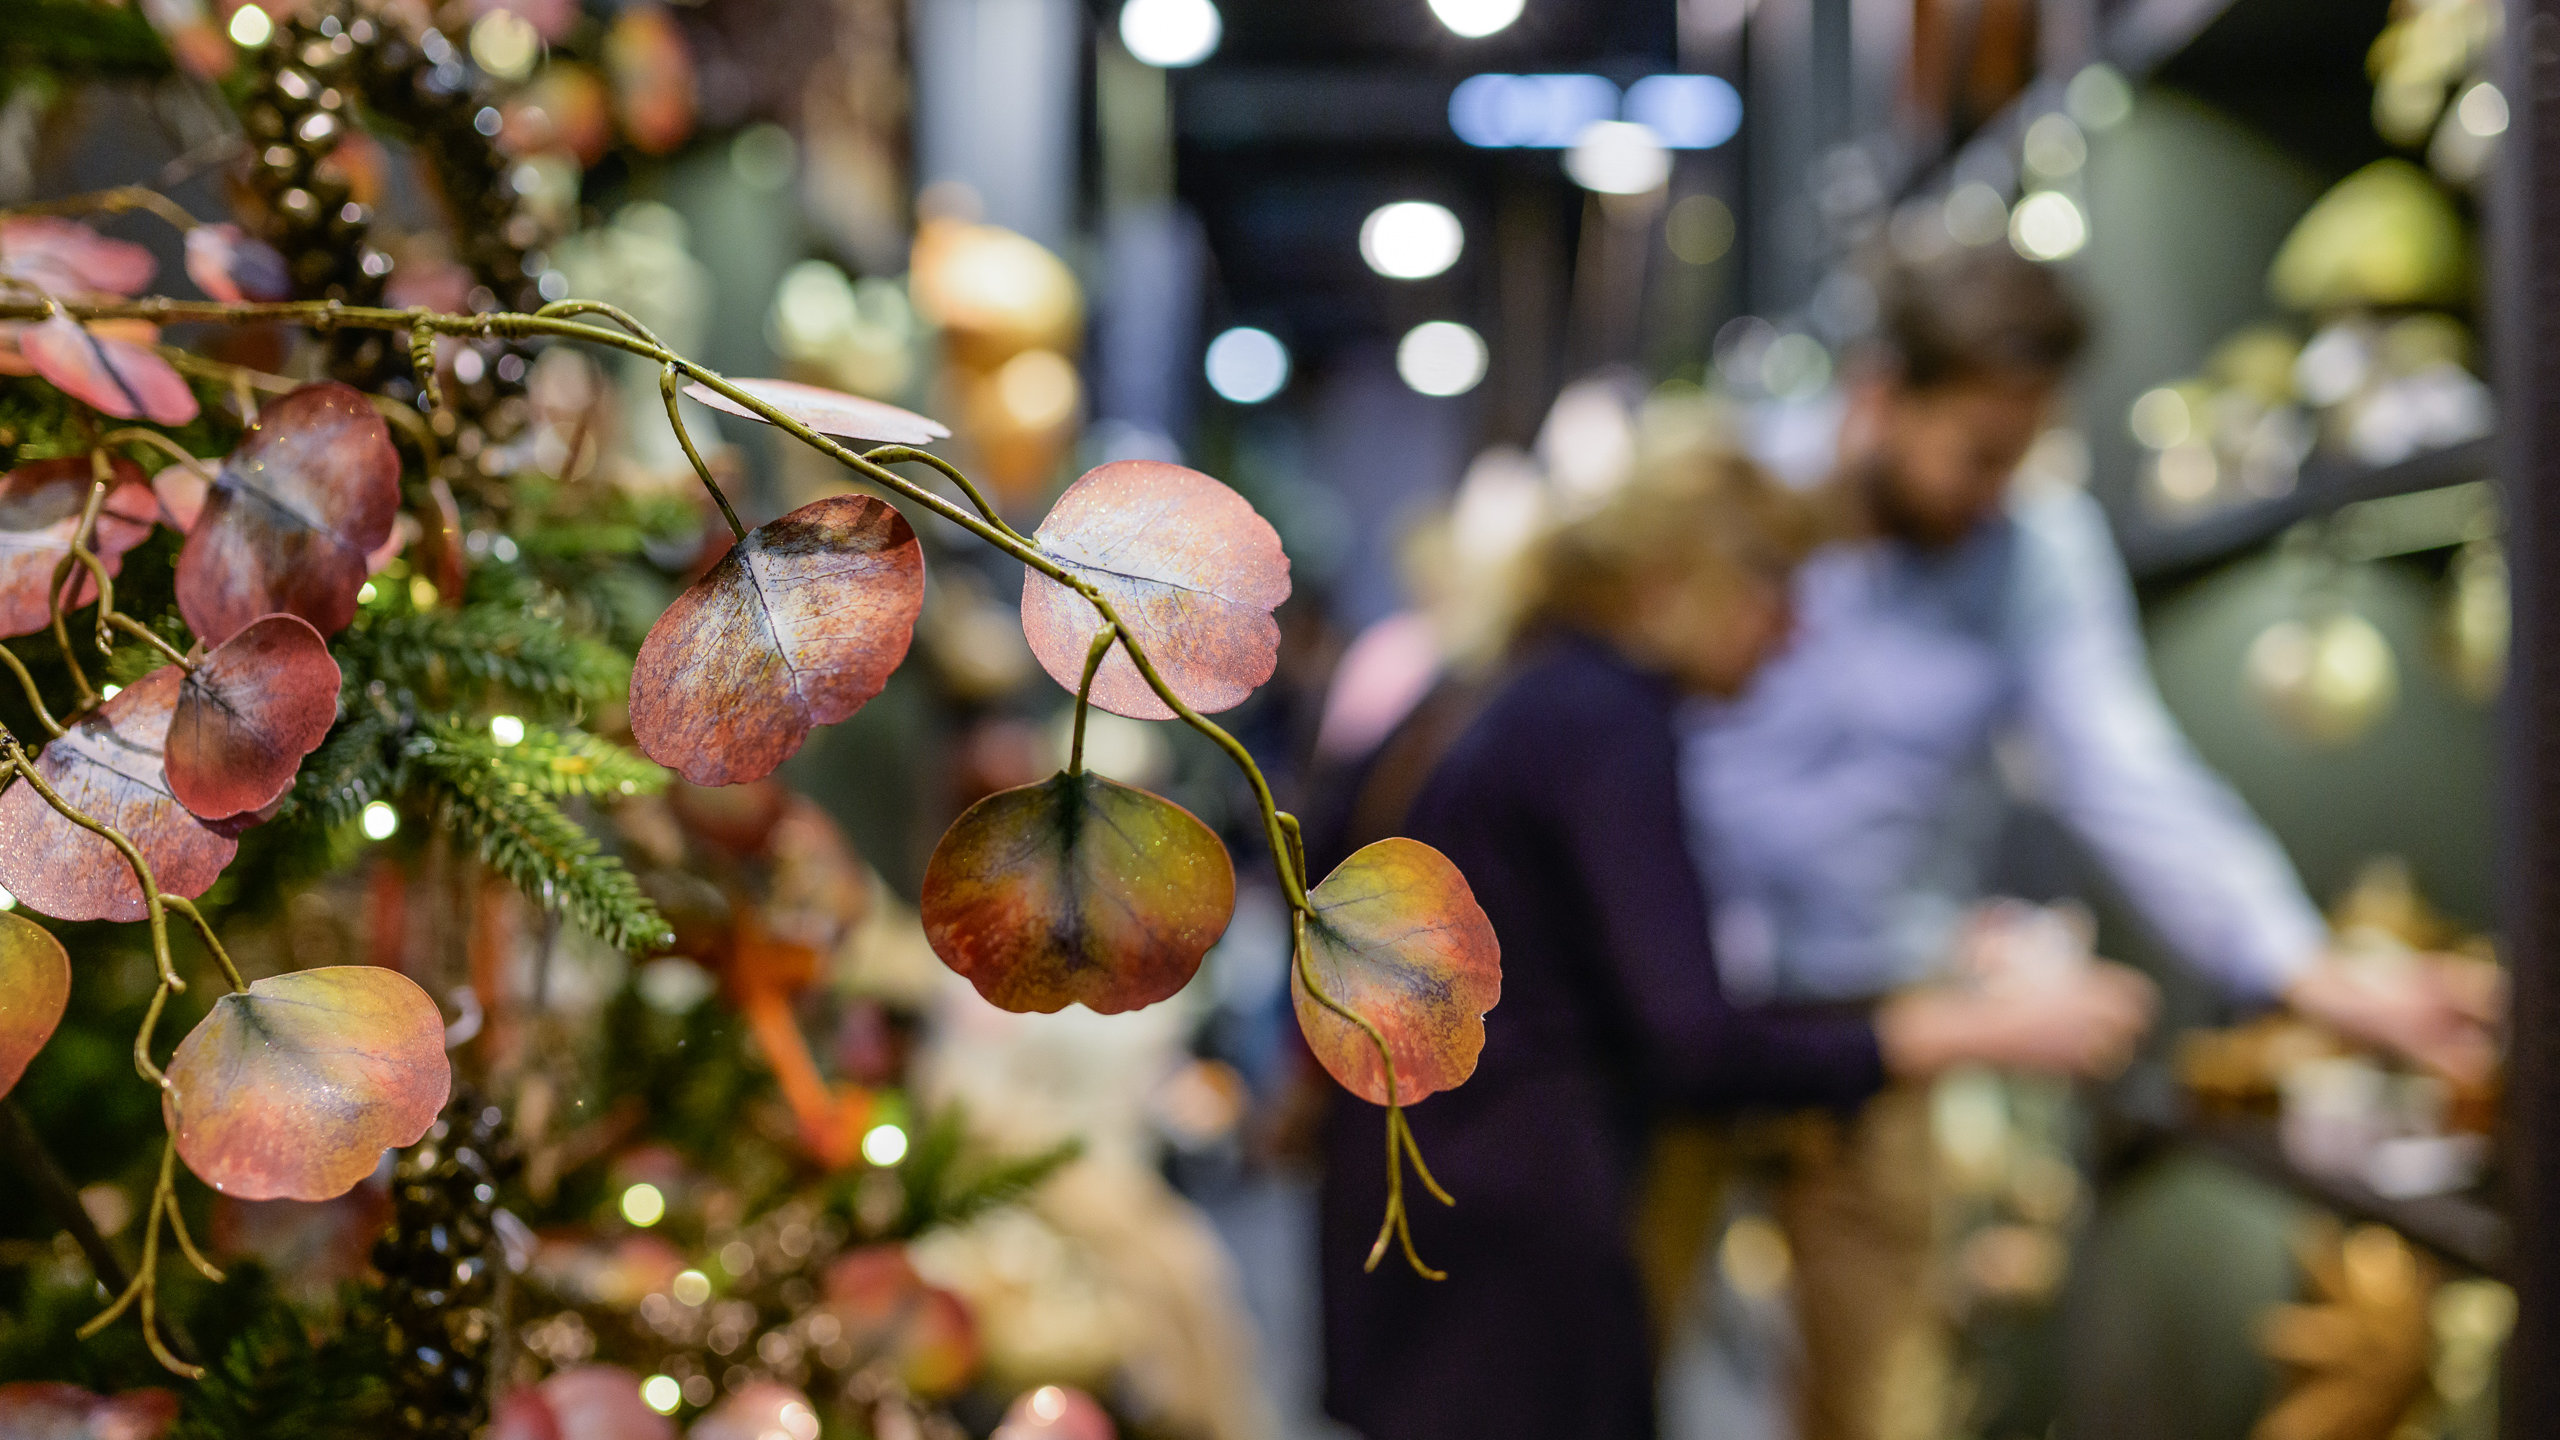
{"x": 1189, "y": 566}
{"x": 796, "y": 627}
{"x": 109, "y": 767}
{"x": 293, "y": 1089}
{"x": 1077, "y": 889}
{"x": 1398, "y": 938}
{"x": 829, "y": 412}
{"x": 40, "y": 505}
{"x": 35, "y": 983}
{"x": 112, "y": 376}
{"x": 247, "y": 715}
{"x": 311, "y": 490}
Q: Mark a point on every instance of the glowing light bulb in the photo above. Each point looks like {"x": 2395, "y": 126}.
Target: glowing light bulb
{"x": 2047, "y": 226}
{"x": 884, "y": 1145}
{"x": 1441, "y": 357}
{"x": 1475, "y": 19}
{"x": 1618, "y": 157}
{"x": 662, "y": 1393}
{"x": 250, "y": 27}
{"x": 1247, "y": 366}
{"x": 1170, "y": 33}
{"x": 506, "y": 729}
{"x": 380, "y": 821}
{"x": 644, "y": 1205}
{"x": 1411, "y": 239}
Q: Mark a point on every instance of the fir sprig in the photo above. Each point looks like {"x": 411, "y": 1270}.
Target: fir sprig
{"x": 454, "y": 658}
{"x": 502, "y": 798}
{"x": 943, "y": 1184}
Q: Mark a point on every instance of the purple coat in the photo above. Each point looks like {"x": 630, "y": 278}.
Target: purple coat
{"x": 1560, "y": 803}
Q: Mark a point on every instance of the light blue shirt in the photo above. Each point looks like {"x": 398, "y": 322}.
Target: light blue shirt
{"x": 1844, "y": 808}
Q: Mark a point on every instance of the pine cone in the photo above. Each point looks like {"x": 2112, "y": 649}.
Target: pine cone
{"x": 439, "y": 1262}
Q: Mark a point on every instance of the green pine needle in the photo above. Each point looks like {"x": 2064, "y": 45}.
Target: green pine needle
{"x": 503, "y": 800}
{"x": 454, "y": 658}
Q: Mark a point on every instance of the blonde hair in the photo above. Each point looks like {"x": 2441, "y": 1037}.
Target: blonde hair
{"x": 1704, "y": 514}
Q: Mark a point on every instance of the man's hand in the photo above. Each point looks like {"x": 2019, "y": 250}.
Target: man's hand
{"x": 2438, "y": 1011}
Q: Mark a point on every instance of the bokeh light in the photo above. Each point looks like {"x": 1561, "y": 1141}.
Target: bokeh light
{"x": 1411, "y": 239}
{"x": 643, "y": 1205}
{"x": 2047, "y": 226}
{"x": 1170, "y": 33}
{"x": 1441, "y": 357}
{"x": 1247, "y": 365}
{"x": 1475, "y": 19}
{"x": 884, "y": 1145}
{"x": 1618, "y": 157}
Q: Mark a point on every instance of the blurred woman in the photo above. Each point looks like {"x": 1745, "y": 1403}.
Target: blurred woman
{"x": 1558, "y": 798}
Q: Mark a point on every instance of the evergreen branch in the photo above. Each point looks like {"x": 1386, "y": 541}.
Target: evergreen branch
{"x": 455, "y": 657}
{"x": 939, "y": 1190}
{"x": 351, "y": 769}
{"x": 522, "y": 834}
{"x": 555, "y": 761}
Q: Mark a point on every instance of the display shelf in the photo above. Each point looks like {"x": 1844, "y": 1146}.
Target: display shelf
{"x": 2155, "y": 552}
{"x": 2464, "y": 1227}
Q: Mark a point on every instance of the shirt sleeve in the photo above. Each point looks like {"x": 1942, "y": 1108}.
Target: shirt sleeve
{"x": 2183, "y": 848}
{"x": 1620, "y": 823}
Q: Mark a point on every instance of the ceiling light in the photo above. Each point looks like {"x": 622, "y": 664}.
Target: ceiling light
{"x": 1536, "y": 111}
{"x": 1618, "y": 157}
{"x": 1170, "y": 33}
{"x": 1246, "y": 365}
{"x": 1475, "y": 19}
{"x": 1441, "y": 357}
{"x": 1686, "y": 112}
{"x": 1411, "y": 239}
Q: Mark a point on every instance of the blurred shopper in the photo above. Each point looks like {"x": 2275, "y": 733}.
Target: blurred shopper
{"x": 1845, "y": 807}
{"x": 1558, "y": 797}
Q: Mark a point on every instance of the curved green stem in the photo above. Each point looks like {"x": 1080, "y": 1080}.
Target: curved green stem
{"x": 150, "y": 637}
{"x": 35, "y": 697}
{"x": 1084, "y": 695}
{"x": 908, "y": 454}
{"x": 670, "y": 390}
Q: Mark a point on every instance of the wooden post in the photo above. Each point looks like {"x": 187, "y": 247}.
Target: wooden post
{"x": 2523, "y": 311}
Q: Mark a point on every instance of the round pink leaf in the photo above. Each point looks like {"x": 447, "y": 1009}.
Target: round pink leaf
{"x": 292, "y": 1089}
{"x": 796, "y": 627}
{"x": 35, "y": 985}
{"x": 231, "y": 265}
{"x": 65, "y": 257}
{"x": 248, "y": 714}
{"x": 40, "y": 506}
{"x": 1189, "y": 566}
{"x": 113, "y": 377}
{"x": 311, "y": 490}
{"x": 109, "y": 767}
{"x": 1398, "y": 938}
{"x": 829, "y": 412}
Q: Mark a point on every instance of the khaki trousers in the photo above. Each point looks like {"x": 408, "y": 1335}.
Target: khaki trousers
{"x": 1855, "y": 1197}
